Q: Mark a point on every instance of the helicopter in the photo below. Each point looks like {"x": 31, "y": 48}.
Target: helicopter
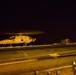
{"x": 19, "y": 38}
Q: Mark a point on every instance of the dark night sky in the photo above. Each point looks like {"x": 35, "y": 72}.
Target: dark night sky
{"x": 57, "y": 20}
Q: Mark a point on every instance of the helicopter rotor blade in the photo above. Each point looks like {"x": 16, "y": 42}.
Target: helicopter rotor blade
{"x": 24, "y": 33}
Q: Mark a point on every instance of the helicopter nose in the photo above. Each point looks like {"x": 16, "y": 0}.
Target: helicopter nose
{"x": 34, "y": 39}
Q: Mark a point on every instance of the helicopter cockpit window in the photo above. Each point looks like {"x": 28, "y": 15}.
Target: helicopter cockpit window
{"x": 29, "y": 37}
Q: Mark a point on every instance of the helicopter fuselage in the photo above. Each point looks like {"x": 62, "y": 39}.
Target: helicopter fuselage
{"x": 18, "y": 39}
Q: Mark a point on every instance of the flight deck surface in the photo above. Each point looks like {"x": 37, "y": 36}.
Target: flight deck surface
{"x": 29, "y": 59}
